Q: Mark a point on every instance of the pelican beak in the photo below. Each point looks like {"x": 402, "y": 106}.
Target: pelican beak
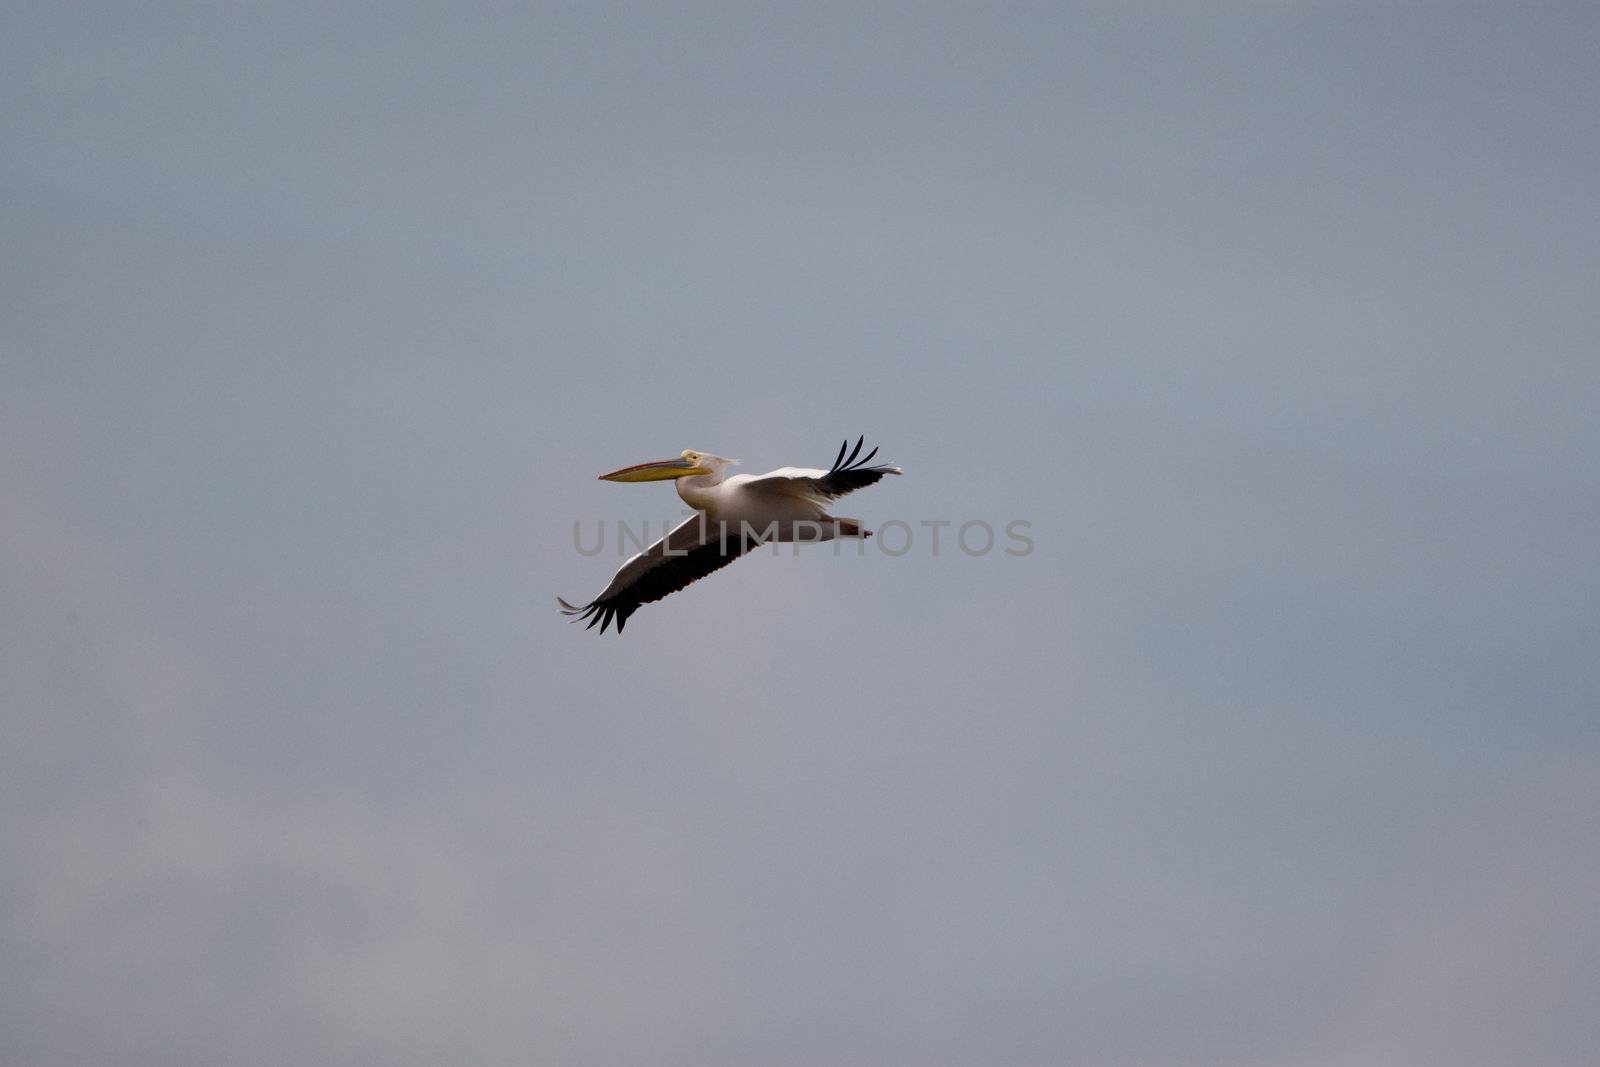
{"x": 659, "y": 471}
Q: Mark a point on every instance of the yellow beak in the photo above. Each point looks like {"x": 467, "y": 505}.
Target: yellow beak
{"x": 659, "y": 471}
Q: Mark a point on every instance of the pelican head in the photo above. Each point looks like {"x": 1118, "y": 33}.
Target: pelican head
{"x": 687, "y": 465}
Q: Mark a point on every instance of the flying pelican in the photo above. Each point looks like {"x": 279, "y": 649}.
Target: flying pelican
{"x": 732, "y": 516}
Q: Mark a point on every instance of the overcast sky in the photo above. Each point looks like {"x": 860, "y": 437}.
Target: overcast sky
{"x": 1278, "y": 322}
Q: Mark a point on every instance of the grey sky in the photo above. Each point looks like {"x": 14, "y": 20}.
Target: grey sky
{"x": 1277, "y": 321}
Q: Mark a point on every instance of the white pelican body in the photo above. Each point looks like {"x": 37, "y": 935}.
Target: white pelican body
{"x": 733, "y": 515}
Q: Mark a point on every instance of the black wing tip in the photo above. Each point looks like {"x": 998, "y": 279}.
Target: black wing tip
{"x": 854, "y": 464}
{"x": 596, "y": 612}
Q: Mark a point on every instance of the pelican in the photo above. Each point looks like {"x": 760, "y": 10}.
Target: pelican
{"x": 731, "y": 516}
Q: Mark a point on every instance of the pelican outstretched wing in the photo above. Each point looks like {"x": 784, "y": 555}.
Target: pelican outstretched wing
{"x": 845, "y": 476}
{"x": 695, "y": 551}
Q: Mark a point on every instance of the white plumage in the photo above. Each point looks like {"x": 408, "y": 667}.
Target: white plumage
{"x": 733, "y": 515}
